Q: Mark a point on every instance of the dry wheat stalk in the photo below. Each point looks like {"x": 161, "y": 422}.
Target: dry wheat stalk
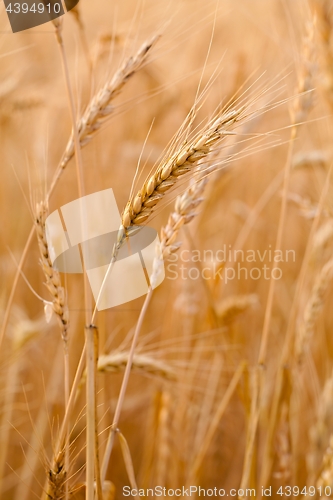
{"x": 53, "y": 281}
{"x": 313, "y": 308}
{"x": 163, "y": 438}
{"x": 100, "y": 107}
{"x": 78, "y": 492}
{"x": 184, "y": 160}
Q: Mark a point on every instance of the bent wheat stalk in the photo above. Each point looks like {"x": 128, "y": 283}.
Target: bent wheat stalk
{"x": 183, "y": 214}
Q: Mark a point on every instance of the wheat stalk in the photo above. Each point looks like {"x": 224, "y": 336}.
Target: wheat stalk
{"x": 164, "y": 431}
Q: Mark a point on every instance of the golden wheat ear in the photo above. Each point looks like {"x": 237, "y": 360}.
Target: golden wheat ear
{"x": 100, "y": 107}
{"x": 53, "y": 281}
{"x": 184, "y": 160}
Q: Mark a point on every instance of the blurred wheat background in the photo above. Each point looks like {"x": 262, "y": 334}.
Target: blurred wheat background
{"x": 231, "y": 383}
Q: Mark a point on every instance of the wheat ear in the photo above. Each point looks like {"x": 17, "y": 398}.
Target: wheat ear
{"x": 117, "y": 361}
{"x": 184, "y": 160}
{"x": 183, "y": 213}
{"x": 231, "y": 307}
{"x": 52, "y": 276}
{"x": 326, "y": 475}
{"x": 313, "y": 309}
{"x": 323, "y": 9}
{"x": 57, "y": 478}
{"x": 100, "y": 107}
{"x": 320, "y": 431}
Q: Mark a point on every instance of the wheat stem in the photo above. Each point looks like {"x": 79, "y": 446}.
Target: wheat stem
{"x": 124, "y": 385}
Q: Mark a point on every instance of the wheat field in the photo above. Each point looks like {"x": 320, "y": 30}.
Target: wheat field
{"x": 212, "y": 122}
